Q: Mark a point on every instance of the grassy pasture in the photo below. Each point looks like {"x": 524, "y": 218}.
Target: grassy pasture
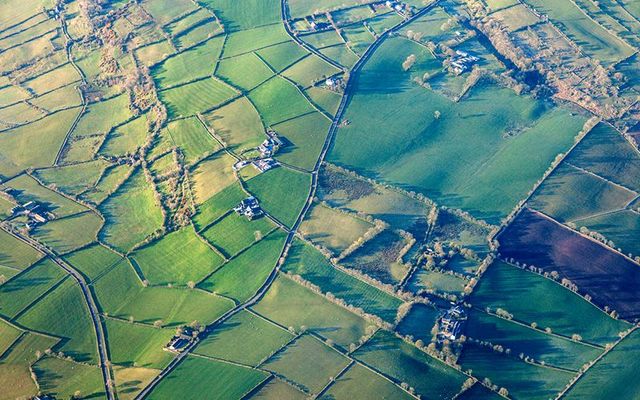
{"x": 278, "y": 100}
{"x": 623, "y": 227}
{"x": 305, "y": 136}
{"x": 551, "y": 350}
{"x": 282, "y": 192}
{"x": 360, "y": 382}
{"x": 15, "y": 253}
{"x": 212, "y": 176}
{"x": 323, "y": 39}
{"x": 81, "y": 149}
{"x": 135, "y": 345}
{"x": 195, "y": 97}
{"x": 53, "y": 79}
{"x": 310, "y": 70}
{"x": 437, "y": 281}
{"x": 332, "y": 229}
{"x": 327, "y": 100}
{"x": 481, "y": 126}
{"x": 126, "y": 139}
{"x": 570, "y": 194}
{"x": 290, "y": 304}
{"x": 93, "y": 260}
{"x": 23, "y": 289}
{"x": 16, "y": 145}
{"x": 197, "y": 34}
{"x": 218, "y": 205}
{"x": 606, "y": 153}
{"x": 358, "y": 195}
{"x": 69, "y": 233}
{"x": 12, "y": 94}
{"x": 378, "y": 258}
{"x": 533, "y": 298}
{"x": 244, "y": 338}
{"x": 384, "y": 22}
{"x": 592, "y": 38}
{"x": 101, "y": 116}
{"x": 164, "y": 11}
{"x": 276, "y": 389}
{"x": 479, "y": 392}
{"x": 241, "y": 277}
{"x": 130, "y": 381}
{"x": 15, "y": 374}
{"x": 19, "y": 114}
{"x": 121, "y": 294}
{"x": 312, "y": 266}
{"x": 73, "y": 179}
{"x": 301, "y": 8}
{"x": 64, "y": 313}
{"x": 358, "y": 38}
{"x": 62, "y": 378}
{"x": 191, "y": 64}
{"x": 281, "y": 56}
{"x": 131, "y": 214}
{"x": 254, "y": 39}
{"x": 152, "y": 54}
{"x": 60, "y": 99}
{"x": 177, "y": 258}
{"x": 522, "y": 380}
{"x": 232, "y": 382}
{"x": 238, "y": 124}
{"x": 193, "y": 138}
{"x": 341, "y": 54}
{"x": 404, "y": 363}
{"x": 108, "y": 183}
{"x": 234, "y": 233}
{"x": 607, "y": 277}
{"x": 8, "y": 335}
{"x": 610, "y": 378}
{"x": 308, "y": 362}
{"x": 253, "y": 13}
{"x": 419, "y": 321}
{"x": 516, "y": 17}
{"x": 452, "y": 228}
{"x": 245, "y": 71}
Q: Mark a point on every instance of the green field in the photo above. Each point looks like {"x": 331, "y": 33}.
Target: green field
{"x": 305, "y": 136}
{"x": 232, "y": 382}
{"x": 609, "y": 377}
{"x": 378, "y": 258}
{"x": 70, "y": 233}
{"x": 276, "y": 389}
{"x": 64, "y": 313}
{"x": 28, "y": 189}
{"x": 24, "y": 288}
{"x": 15, "y": 253}
{"x": 92, "y": 260}
{"x": 193, "y": 138}
{"x": 521, "y": 379}
{"x": 131, "y": 214}
{"x": 532, "y": 298}
{"x": 120, "y": 294}
{"x": 179, "y": 257}
{"x": 311, "y": 265}
{"x": 238, "y": 124}
{"x": 244, "y": 338}
{"x": 292, "y": 305}
{"x": 196, "y": 97}
{"x": 404, "y": 363}
{"x": 307, "y": 362}
{"x": 213, "y": 175}
{"x": 8, "y": 335}
{"x": 360, "y": 382}
{"x": 218, "y": 205}
{"x": 234, "y": 233}
{"x": 136, "y": 345}
{"x": 333, "y": 229}
{"x": 73, "y": 179}
{"x": 243, "y": 275}
{"x": 62, "y": 378}
{"x": 282, "y": 193}
{"x": 278, "y": 100}
{"x": 419, "y": 321}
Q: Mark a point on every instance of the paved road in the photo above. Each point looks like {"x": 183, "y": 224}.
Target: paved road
{"x": 314, "y": 184}
{"x": 88, "y": 297}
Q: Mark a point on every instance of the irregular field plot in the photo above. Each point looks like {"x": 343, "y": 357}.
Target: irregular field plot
{"x": 290, "y": 304}
{"x": 308, "y": 362}
{"x": 404, "y": 363}
{"x": 312, "y": 266}
{"x": 244, "y": 338}
{"x": 234, "y": 232}
{"x": 231, "y": 381}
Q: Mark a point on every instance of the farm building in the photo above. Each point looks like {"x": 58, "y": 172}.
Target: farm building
{"x": 463, "y": 62}
{"x": 450, "y": 325}
{"x": 249, "y": 207}
{"x": 265, "y": 164}
{"x": 270, "y": 145}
